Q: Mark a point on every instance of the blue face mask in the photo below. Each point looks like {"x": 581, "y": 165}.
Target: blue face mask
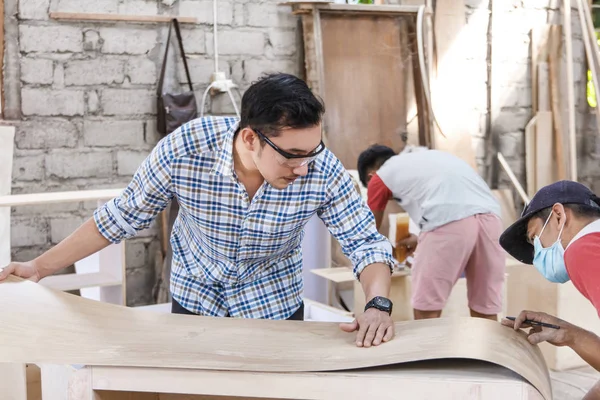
{"x": 550, "y": 261}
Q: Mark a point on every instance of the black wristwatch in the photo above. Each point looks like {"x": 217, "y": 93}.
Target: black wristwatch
{"x": 380, "y": 303}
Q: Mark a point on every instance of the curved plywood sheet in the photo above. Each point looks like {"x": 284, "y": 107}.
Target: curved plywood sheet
{"x": 42, "y": 325}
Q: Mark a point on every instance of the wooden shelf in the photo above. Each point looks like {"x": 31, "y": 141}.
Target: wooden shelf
{"x": 68, "y": 282}
{"x": 57, "y": 197}
{"x": 324, "y": 6}
{"x": 76, "y": 16}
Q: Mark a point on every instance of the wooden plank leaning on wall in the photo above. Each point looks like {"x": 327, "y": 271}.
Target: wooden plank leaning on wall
{"x": 457, "y": 119}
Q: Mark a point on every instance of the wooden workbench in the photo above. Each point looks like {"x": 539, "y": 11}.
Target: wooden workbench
{"x": 445, "y": 379}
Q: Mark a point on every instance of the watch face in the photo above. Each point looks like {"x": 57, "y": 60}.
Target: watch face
{"x": 382, "y": 302}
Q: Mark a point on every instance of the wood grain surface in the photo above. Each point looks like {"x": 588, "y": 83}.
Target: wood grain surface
{"x": 364, "y": 67}
{"x": 42, "y": 325}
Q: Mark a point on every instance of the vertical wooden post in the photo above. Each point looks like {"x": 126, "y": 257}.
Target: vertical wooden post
{"x": 2, "y": 58}
{"x": 13, "y": 382}
{"x": 570, "y": 89}
{"x": 7, "y": 138}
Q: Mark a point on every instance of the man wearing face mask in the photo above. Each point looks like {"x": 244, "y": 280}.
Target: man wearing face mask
{"x": 559, "y": 233}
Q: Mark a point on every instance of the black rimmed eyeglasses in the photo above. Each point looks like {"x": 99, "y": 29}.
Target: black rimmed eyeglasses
{"x": 293, "y": 160}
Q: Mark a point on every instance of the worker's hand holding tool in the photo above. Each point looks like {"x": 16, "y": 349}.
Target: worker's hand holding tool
{"x": 25, "y": 270}
{"x": 544, "y": 328}
{"x": 373, "y": 326}
{"x": 410, "y": 243}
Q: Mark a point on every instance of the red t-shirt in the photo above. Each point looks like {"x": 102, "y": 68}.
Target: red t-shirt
{"x": 377, "y": 194}
{"x": 582, "y": 259}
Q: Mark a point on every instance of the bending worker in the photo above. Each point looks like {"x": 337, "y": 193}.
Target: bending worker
{"x": 245, "y": 188}
{"x": 559, "y": 233}
{"x": 460, "y": 225}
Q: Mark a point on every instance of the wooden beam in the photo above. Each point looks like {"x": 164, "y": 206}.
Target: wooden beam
{"x": 423, "y": 105}
{"x": 2, "y": 59}
{"x": 530, "y": 154}
{"x": 58, "y": 197}
{"x": 570, "y": 89}
{"x": 591, "y": 50}
{"x": 513, "y": 178}
{"x": 76, "y": 16}
{"x": 304, "y": 7}
{"x": 554, "y": 55}
{"x": 7, "y": 138}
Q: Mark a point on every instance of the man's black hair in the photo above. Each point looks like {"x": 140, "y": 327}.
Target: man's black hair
{"x": 372, "y": 158}
{"x": 279, "y": 101}
{"x": 580, "y": 210}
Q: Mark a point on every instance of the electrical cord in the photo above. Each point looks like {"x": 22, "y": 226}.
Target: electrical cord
{"x": 216, "y": 51}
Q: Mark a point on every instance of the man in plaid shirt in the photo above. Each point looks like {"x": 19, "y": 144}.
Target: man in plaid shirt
{"x": 246, "y": 188}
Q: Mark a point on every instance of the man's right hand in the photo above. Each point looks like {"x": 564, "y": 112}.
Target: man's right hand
{"x": 537, "y": 334}
{"x": 25, "y": 270}
{"x": 410, "y": 243}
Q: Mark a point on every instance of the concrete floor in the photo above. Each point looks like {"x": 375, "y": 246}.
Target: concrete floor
{"x": 573, "y": 384}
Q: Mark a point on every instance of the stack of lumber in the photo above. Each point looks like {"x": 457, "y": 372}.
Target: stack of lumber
{"x": 545, "y": 141}
{"x": 550, "y": 137}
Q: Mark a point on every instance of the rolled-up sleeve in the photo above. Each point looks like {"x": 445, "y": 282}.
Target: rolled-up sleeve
{"x": 352, "y": 224}
{"x": 148, "y": 193}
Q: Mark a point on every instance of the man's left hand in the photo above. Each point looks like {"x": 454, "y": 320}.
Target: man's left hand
{"x": 373, "y": 326}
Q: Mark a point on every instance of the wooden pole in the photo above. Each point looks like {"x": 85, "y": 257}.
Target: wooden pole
{"x": 513, "y": 178}
{"x": 570, "y": 89}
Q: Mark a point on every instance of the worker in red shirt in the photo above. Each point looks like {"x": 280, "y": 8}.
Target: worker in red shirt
{"x": 559, "y": 233}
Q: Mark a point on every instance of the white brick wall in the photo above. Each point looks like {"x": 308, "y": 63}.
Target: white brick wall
{"x": 34, "y": 9}
{"x": 50, "y": 102}
{"x": 111, "y": 133}
{"x": 104, "y": 71}
{"x": 48, "y": 39}
{"x": 65, "y": 165}
{"x": 37, "y": 70}
{"x": 46, "y": 134}
{"x": 203, "y": 11}
{"x": 128, "y": 101}
{"x": 141, "y": 70}
{"x": 127, "y": 40}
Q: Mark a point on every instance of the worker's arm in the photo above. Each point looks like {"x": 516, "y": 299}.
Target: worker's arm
{"x": 378, "y": 217}
{"x": 148, "y": 193}
{"x": 378, "y": 195}
{"x": 86, "y": 240}
{"x": 351, "y": 223}
{"x": 585, "y": 343}
{"x": 375, "y": 281}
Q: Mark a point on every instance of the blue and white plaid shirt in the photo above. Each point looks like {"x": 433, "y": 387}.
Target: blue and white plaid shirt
{"x": 232, "y": 257}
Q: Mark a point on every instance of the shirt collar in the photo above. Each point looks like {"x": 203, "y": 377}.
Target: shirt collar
{"x": 224, "y": 163}
{"x": 592, "y": 227}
